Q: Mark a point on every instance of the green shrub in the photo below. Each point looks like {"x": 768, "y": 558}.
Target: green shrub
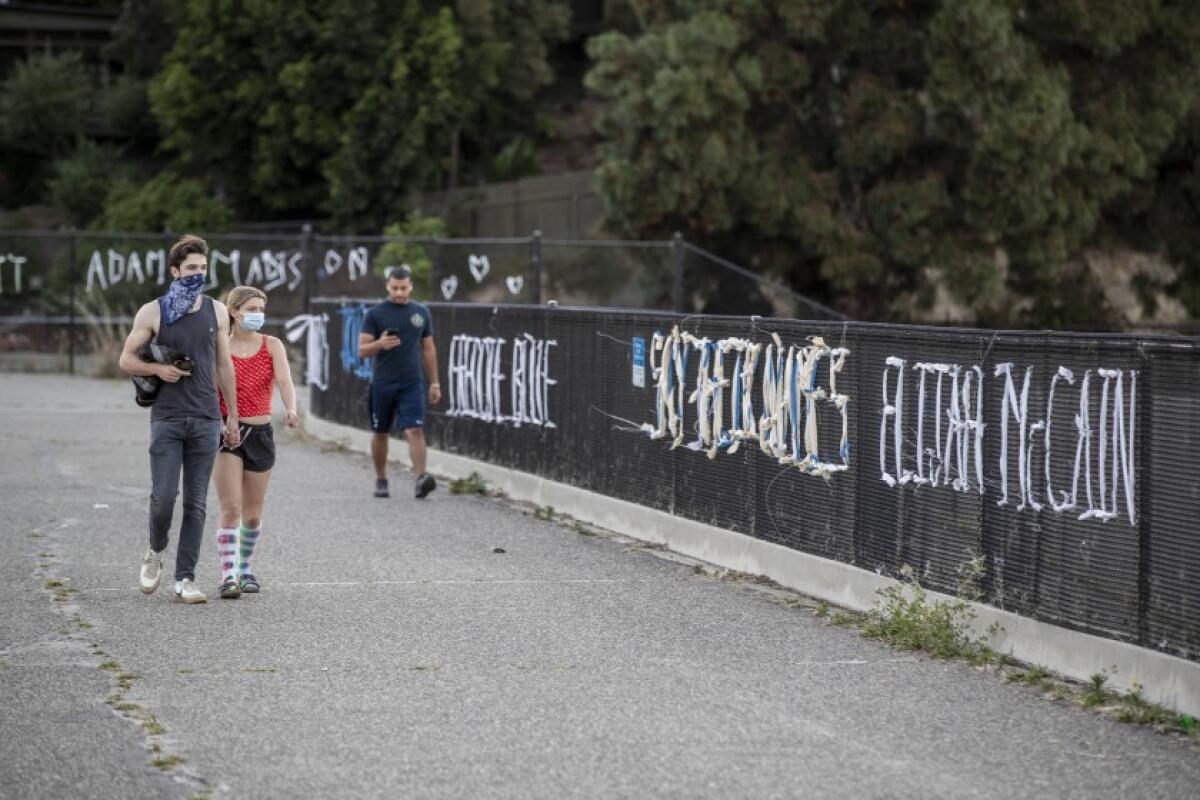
{"x": 43, "y": 104}
{"x": 126, "y": 108}
{"x": 80, "y": 182}
{"x": 415, "y": 254}
{"x": 166, "y": 202}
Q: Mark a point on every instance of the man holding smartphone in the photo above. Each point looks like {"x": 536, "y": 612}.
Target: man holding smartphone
{"x": 398, "y": 335}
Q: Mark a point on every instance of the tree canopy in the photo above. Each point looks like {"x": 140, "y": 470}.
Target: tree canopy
{"x": 891, "y": 155}
{"x": 345, "y": 106}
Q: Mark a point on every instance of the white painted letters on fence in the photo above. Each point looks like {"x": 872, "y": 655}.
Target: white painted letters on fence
{"x": 267, "y": 269}
{"x": 11, "y": 264}
{"x": 316, "y": 346}
{"x": 476, "y": 371}
{"x": 1104, "y": 457}
{"x": 786, "y": 429}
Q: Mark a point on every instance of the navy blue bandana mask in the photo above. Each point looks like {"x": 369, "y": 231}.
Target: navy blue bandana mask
{"x": 179, "y": 297}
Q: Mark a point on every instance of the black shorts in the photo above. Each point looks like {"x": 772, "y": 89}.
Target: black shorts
{"x": 257, "y": 449}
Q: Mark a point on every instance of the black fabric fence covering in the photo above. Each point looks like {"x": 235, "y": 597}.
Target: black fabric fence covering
{"x": 1064, "y": 465}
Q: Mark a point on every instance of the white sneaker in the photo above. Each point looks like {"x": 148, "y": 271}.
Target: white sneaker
{"x": 151, "y": 571}
{"x": 186, "y": 592}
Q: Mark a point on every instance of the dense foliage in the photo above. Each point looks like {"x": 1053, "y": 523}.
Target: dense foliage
{"x": 306, "y": 108}
{"x": 346, "y": 107}
{"x": 902, "y": 155}
{"x": 1005, "y": 162}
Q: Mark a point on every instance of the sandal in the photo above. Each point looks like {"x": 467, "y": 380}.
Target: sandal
{"x": 230, "y": 590}
{"x": 248, "y": 584}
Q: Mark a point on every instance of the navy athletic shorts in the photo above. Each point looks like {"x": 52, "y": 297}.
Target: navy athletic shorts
{"x": 403, "y": 406}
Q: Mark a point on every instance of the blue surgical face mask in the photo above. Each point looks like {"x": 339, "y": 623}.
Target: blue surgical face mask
{"x": 253, "y": 320}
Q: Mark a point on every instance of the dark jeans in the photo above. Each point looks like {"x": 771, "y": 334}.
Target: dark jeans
{"x": 189, "y": 443}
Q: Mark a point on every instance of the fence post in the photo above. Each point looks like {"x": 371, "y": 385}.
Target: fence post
{"x": 677, "y": 254}
{"x": 535, "y": 268}
{"x": 434, "y": 251}
{"x": 310, "y": 272}
{"x": 71, "y": 303}
{"x": 1145, "y": 522}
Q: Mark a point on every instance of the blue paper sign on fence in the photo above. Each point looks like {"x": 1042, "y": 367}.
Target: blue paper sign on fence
{"x": 639, "y": 361}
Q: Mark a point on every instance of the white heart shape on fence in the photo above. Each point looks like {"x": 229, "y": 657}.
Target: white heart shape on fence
{"x": 449, "y": 286}
{"x": 515, "y": 283}
{"x": 479, "y": 267}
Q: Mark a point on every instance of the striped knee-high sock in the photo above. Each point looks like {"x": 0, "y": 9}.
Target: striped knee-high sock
{"x": 227, "y": 549}
{"x": 249, "y": 538}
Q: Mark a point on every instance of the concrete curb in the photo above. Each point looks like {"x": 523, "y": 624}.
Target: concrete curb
{"x": 1168, "y": 680}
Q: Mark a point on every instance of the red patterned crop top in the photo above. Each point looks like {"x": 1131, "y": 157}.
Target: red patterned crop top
{"x": 255, "y": 379}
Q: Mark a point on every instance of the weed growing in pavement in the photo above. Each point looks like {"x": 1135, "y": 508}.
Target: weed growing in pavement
{"x": 822, "y": 609}
{"x": 168, "y": 762}
{"x": 544, "y": 513}
{"x": 1094, "y": 693}
{"x": 905, "y": 617}
{"x": 969, "y": 584}
{"x": 1137, "y": 709}
{"x": 581, "y": 529}
{"x": 843, "y": 618}
{"x": 1030, "y": 677}
{"x": 472, "y": 484}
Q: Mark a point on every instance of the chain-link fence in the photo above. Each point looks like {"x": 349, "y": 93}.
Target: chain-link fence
{"x": 67, "y": 298}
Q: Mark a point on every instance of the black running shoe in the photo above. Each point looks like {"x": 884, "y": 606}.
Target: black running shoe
{"x": 381, "y": 489}
{"x": 425, "y": 485}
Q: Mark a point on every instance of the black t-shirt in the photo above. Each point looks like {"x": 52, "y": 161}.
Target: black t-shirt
{"x": 400, "y": 366}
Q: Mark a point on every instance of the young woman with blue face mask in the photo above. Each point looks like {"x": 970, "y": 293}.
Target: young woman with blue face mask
{"x": 241, "y": 473}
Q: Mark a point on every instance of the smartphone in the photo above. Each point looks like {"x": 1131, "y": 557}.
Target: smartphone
{"x": 387, "y": 332}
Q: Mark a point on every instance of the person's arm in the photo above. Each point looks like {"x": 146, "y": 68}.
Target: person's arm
{"x": 145, "y": 323}
{"x": 283, "y": 379}
{"x": 369, "y": 346}
{"x": 369, "y": 340}
{"x": 429, "y": 357}
{"x": 226, "y": 377}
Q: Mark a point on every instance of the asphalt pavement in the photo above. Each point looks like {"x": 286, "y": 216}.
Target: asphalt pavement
{"x": 394, "y": 652}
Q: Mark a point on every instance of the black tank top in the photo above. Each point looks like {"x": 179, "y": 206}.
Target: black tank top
{"x": 195, "y": 335}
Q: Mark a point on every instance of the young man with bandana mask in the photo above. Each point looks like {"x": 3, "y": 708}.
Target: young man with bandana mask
{"x": 185, "y": 420}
